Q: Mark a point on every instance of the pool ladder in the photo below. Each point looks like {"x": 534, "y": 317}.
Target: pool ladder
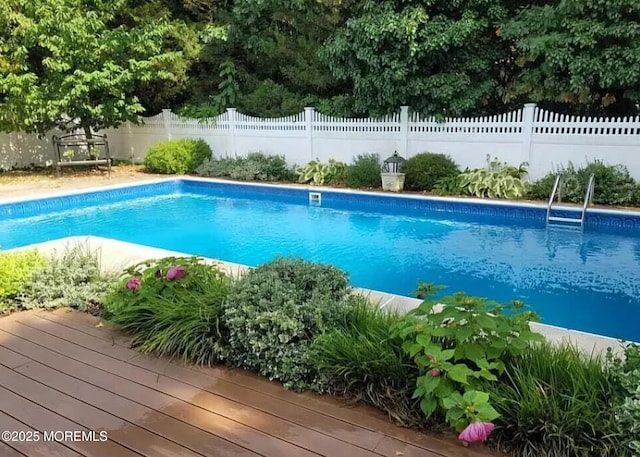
{"x": 570, "y": 221}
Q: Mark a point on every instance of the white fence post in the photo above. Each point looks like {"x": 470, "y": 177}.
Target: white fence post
{"x": 528, "y": 118}
{"x": 404, "y": 131}
{"x": 232, "y": 129}
{"x": 308, "y": 126}
{"x": 166, "y": 119}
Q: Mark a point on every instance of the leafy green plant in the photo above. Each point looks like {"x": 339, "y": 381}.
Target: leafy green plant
{"x": 173, "y": 307}
{"x": 228, "y": 87}
{"x": 496, "y": 181}
{"x": 16, "y": 269}
{"x": 635, "y": 201}
{"x": 626, "y": 374}
{"x": 555, "y": 401}
{"x": 613, "y": 184}
{"x": 94, "y": 152}
{"x": 100, "y": 57}
{"x": 450, "y": 185}
{"x": 71, "y": 279}
{"x": 177, "y": 156}
{"x": 423, "y": 171}
{"x": 456, "y": 342}
{"x": 318, "y": 173}
{"x": 254, "y": 167}
{"x": 362, "y": 359}
{"x": 364, "y": 172}
{"x": 276, "y": 310}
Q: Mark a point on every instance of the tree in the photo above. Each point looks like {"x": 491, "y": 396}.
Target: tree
{"x": 581, "y": 53}
{"x": 63, "y": 60}
{"x": 441, "y": 57}
{"x": 273, "y": 45}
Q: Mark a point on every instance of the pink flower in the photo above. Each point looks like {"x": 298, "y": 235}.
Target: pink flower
{"x": 134, "y": 283}
{"x": 435, "y": 372}
{"x": 176, "y": 273}
{"x": 476, "y": 432}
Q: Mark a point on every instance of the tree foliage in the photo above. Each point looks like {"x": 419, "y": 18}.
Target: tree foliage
{"x": 585, "y": 53}
{"x": 439, "y": 56}
{"x": 106, "y": 61}
{"x": 273, "y": 45}
{"x": 62, "y": 60}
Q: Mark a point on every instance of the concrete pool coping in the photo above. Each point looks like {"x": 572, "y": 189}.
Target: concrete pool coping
{"x": 116, "y": 256}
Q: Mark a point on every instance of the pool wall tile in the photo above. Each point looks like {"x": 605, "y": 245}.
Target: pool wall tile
{"x": 45, "y": 205}
{"x": 418, "y": 206}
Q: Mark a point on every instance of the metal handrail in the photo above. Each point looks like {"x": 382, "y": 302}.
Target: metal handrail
{"x": 553, "y": 194}
{"x": 588, "y": 196}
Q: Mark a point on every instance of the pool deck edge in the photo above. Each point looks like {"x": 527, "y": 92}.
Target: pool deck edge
{"x": 116, "y": 256}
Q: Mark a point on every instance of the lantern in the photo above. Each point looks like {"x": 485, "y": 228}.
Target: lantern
{"x": 394, "y": 163}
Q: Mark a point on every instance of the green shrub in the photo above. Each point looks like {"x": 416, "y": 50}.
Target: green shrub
{"x": 16, "y": 269}
{"x": 459, "y": 346}
{"x": 364, "y": 172}
{"x": 498, "y": 180}
{"x": 274, "y": 312}
{"x": 613, "y": 184}
{"x": 362, "y": 359}
{"x": 542, "y": 188}
{"x": 626, "y": 375}
{"x": 177, "y": 156}
{"x": 217, "y": 168}
{"x": 173, "y": 307}
{"x": 73, "y": 279}
{"x": 555, "y": 402}
{"x": 254, "y": 167}
{"x": 450, "y": 185}
{"x": 318, "y": 173}
{"x": 423, "y": 171}
{"x": 636, "y": 196}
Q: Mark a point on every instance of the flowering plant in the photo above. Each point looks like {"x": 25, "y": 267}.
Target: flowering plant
{"x": 457, "y": 341}
{"x": 173, "y": 307}
{"x": 170, "y": 278}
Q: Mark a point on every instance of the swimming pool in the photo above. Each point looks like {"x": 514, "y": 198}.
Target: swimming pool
{"x": 584, "y": 281}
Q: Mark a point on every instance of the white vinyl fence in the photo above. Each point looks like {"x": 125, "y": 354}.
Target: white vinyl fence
{"x": 543, "y": 139}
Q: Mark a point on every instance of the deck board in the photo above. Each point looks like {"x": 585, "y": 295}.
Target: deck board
{"x": 66, "y": 371}
{"x": 285, "y": 431}
{"x": 364, "y": 417}
{"x": 6, "y": 451}
{"x": 34, "y": 448}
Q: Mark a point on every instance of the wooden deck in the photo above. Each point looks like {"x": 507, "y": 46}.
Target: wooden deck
{"x": 65, "y": 372}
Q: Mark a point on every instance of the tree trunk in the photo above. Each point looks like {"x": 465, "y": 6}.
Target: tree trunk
{"x": 87, "y": 129}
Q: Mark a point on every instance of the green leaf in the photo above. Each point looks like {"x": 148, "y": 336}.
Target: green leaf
{"x": 449, "y": 402}
{"x": 475, "y": 397}
{"x": 459, "y": 373}
{"x": 487, "y": 413}
{"x": 428, "y": 383}
{"x": 486, "y": 322}
{"x": 474, "y": 351}
{"x": 428, "y": 406}
{"x": 447, "y": 354}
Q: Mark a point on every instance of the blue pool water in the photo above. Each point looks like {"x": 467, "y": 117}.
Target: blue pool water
{"x": 585, "y": 281}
